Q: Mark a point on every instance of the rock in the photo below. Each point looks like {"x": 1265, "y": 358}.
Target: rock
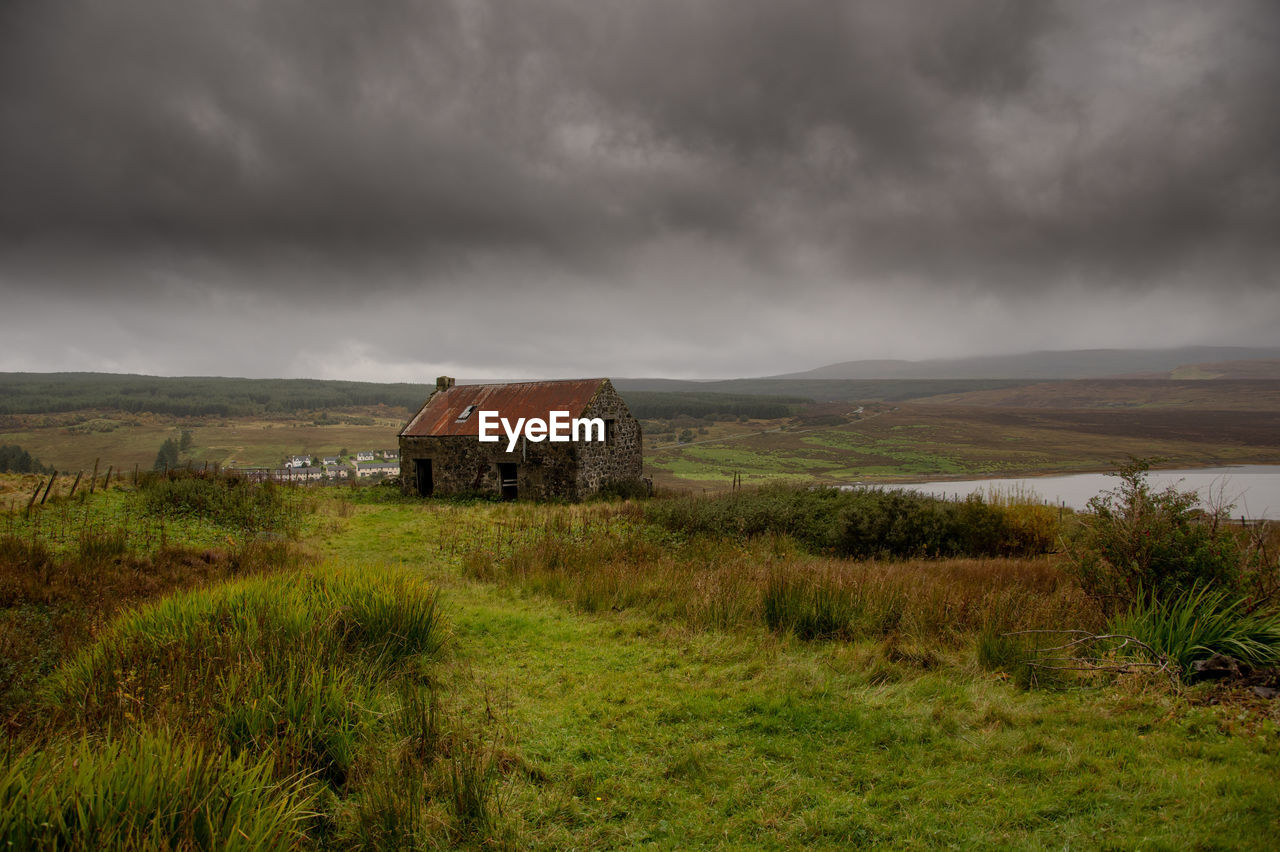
{"x": 1217, "y": 667}
{"x": 1266, "y": 691}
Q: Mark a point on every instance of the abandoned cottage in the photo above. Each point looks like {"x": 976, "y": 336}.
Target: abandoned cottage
{"x": 441, "y": 451}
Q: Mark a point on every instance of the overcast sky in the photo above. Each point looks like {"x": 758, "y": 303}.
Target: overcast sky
{"x": 392, "y": 190}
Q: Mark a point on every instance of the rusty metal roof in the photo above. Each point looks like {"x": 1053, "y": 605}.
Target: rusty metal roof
{"x": 439, "y": 415}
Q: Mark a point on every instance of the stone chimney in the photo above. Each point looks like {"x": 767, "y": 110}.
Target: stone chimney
{"x": 443, "y": 383}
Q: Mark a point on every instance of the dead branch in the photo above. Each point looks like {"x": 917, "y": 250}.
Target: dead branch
{"x": 1107, "y": 664}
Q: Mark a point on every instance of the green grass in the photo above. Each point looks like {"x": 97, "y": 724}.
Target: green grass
{"x": 303, "y": 707}
{"x": 190, "y": 513}
{"x": 68, "y": 566}
{"x": 630, "y": 728}
{"x": 693, "y": 741}
{"x": 575, "y": 703}
{"x": 149, "y": 792}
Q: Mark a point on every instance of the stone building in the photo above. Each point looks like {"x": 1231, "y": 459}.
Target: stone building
{"x": 441, "y": 451}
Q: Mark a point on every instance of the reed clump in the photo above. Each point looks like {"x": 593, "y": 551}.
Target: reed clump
{"x": 150, "y": 791}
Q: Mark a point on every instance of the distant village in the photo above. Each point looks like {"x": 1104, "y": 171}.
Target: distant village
{"x": 366, "y": 464}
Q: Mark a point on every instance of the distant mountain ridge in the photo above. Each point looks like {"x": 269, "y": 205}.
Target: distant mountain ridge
{"x": 1068, "y": 364}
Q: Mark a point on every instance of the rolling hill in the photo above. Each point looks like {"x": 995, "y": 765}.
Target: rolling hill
{"x": 1077, "y": 364}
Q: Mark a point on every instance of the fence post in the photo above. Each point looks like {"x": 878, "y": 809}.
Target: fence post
{"x": 34, "y": 495}
{"x": 48, "y": 488}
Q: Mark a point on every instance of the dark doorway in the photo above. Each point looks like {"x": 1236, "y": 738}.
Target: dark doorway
{"x": 422, "y": 476}
{"x": 507, "y": 480}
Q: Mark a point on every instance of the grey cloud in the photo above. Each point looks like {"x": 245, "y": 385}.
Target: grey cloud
{"x": 749, "y": 153}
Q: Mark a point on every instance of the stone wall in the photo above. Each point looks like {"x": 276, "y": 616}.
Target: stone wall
{"x": 622, "y": 459}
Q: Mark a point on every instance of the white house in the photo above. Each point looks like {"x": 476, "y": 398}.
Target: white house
{"x": 377, "y": 468}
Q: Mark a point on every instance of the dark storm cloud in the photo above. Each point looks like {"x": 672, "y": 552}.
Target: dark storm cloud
{"x": 681, "y": 149}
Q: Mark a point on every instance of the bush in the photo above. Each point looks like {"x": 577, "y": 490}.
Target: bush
{"x": 1138, "y": 542}
{"x": 864, "y": 523}
{"x": 625, "y": 489}
{"x": 14, "y": 459}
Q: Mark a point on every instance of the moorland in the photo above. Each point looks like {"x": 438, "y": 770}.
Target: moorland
{"x": 189, "y": 659}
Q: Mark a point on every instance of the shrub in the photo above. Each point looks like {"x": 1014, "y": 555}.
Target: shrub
{"x": 1199, "y": 622}
{"x": 1138, "y": 541}
{"x": 863, "y": 523}
{"x": 14, "y": 459}
{"x": 626, "y": 489}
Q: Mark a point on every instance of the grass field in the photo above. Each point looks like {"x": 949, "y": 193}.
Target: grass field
{"x": 75, "y": 441}
{"x": 626, "y": 729}
{"x": 572, "y": 676}
{"x": 917, "y": 441}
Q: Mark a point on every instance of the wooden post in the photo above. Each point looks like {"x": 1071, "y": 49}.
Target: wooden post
{"x": 135, "y": 474}
{"x": 79, "y": 473}
{"x": 48, "y": 488}
{"x": 106, "y": 480}
{"x": 34, "y": 495}
{"x": 93, "y": 481}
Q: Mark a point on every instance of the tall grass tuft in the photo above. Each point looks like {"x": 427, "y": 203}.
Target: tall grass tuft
{"x": 809, "y": 606}
{"x": 98, "y": 547}
{"x": 1200, "y": 622}
{"x": 472, "y": 779}
{"x": 256, "y": 665}
{"x": 223, "y": 498}
{"x": 149, "y": 792}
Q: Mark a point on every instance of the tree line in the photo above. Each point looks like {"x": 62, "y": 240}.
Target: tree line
{"x": 46, "y": 393}
{"x": 14, "y": 459}
{"x": 206, "y": 396}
